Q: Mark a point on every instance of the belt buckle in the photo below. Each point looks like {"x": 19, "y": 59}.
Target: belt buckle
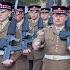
{"x": 55, "y": 58}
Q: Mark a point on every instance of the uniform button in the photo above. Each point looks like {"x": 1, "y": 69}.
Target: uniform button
{"x": 57, "y": 37}
{"x": 56, "y": 48}
{"x": 57, "y": 41}
{"x": 57, "y": 45}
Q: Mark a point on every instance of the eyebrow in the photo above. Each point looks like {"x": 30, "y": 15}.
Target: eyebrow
{"x": 34, "y": 10}
{"x": 45, "y": 12}
{"x": 3, "y": 11}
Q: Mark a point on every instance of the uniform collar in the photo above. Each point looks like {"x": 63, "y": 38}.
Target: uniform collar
{"x": 19, "y": 24}
{"x": 4, "y": 23}
{"x": 45, "y": 21}
{"x": 34, "y": 21}
{"x": 56, "y": 30}
{"x": 59, "y": 28}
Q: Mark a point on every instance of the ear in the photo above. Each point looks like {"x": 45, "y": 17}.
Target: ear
{"x": 66, "y": 17}
{"x": 29, "y": 16}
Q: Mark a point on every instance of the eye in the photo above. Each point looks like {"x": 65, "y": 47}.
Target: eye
{"x": 34, "y": 11}
{"x": 3, "y": 10}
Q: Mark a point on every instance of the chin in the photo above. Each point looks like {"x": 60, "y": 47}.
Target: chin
{"x": 34, "y": 18}
{"x": 58, "y": 23}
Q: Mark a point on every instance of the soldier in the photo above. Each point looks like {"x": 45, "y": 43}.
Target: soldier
{"x": 5, "y": 11}
{"x": 22, "y": 60}
{"x": 56, "y": 55}
{"x": 19, "y": 60}
{"x": 45, "y": 15}
{"x": 35, "y": 57}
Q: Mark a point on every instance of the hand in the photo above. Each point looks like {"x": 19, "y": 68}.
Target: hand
{"x": 40, "y": 32}
{"x": 26, "y": 51}
{"x": 36, "y": 44}
{"x": 68, "y": 48}
{"x": 7, "y": 62}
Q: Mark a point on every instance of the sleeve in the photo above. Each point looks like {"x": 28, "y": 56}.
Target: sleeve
{"x": 39, "y": 40}
{"x": 15, "y": 56}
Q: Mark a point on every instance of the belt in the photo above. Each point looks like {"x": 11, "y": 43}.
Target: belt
{"x": 57, "y": 57}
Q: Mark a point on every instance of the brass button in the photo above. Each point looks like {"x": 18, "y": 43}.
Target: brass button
{"x": 57, "y": 45}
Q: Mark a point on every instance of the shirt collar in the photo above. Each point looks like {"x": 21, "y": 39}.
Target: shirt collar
{"x": 4, "y": 23}
{"x": 19, "y": 24}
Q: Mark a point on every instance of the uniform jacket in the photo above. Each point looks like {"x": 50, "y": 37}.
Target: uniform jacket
{"x": 53, "y": 46}
{"x": 39, "y": 53}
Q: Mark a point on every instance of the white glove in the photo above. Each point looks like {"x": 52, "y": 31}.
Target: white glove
{"x": 26, "y": 51}
{"x": 7, "y": 62}
{"x": 68, "y": 48}
{"x": 36, "y": 44}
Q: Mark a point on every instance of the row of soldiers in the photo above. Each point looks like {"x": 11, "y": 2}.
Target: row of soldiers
{"x": 35, "y": 43}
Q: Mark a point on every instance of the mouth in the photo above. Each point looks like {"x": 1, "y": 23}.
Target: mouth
{"x": 57, "y": 21}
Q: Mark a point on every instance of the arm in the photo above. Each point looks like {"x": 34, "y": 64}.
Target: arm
{"x": 7, "y": 52}
{"x": 39, "y": 41}
{"x": 68, "y": 43}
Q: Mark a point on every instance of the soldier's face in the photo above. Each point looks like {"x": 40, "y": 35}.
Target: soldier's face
{"x": 44, "y": 15}
{"x": 4, "y": 15}
{"x": 19, "y": 16}
{"x": 59, "y": 19}
{"x": 34, "y": 14}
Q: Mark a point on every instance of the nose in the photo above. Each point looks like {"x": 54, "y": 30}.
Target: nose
{"x": 34, "y": 12}
{"x": 58, "y": 17}
{"x": 0, "y": 13}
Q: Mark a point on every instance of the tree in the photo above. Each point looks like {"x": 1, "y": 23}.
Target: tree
{"x": 27, "y": 2}
{"x": 64, "y": 2}
{"x": 68, "y": 2}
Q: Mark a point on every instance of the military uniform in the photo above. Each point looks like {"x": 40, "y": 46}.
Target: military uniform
{"x": 36, "y": 56}
{"x": 55, "y": 50}
{"x": 4, "y": 23}
{"x": 3, "y": 34}
{"x": 56, "y": 55}
{"x": 20, "y": 60}
{"x": 22, "y": 63}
